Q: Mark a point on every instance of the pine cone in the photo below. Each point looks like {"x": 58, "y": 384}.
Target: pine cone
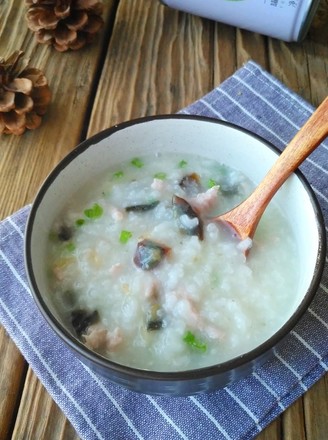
{"x": 24, "y": 95}
{"x": 66, "y": 24}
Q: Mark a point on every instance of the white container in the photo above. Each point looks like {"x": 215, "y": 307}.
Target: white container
{"x": 287, "y": 20}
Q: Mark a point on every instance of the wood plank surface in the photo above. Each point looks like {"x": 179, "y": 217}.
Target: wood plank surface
{"x": 293, "y": 422}
{"x": 71, "y": 78}
{"x": 39, "y": 417}
{"x": 12, "y": 376}
{"x": 148, "y": 59}
{"x": 141, "y": 74}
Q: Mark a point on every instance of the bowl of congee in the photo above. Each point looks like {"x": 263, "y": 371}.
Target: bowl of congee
{"x": 128, "y": 267}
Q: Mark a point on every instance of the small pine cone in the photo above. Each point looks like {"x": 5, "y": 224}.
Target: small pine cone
{"x": 65, "y": 24}
{"x": 24, "y": 95}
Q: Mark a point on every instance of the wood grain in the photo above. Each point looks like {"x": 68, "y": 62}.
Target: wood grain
{"x": 149, "y": 59}
{"x": 141, "y": 74}
{"x": 26, "y": 160}
{"x": 307, "y": 72}
{"x": 39, "y": 417}
{"x": 62, "y": 126}
{"x": 316, "y": 410}
{"x": 224, "y": 52}
{"x": 12, "y": 377}
{"x": 293, "y": 423}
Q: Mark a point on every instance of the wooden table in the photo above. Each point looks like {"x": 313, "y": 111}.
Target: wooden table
{"x": 148, "y": 59}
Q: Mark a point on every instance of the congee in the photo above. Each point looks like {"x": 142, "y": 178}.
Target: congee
{"x": 141, "y": 276}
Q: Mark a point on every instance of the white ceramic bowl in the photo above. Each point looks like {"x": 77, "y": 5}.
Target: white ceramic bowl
{"x": 181, "y": 134}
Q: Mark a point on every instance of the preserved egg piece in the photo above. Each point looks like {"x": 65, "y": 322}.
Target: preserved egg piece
{"x": 229, "y": 189}
{"x": 154, "y": 320}
{"x": 191, "y": 184}
{"x": 81, "y": 319}
{"x": 154, "y": 324}
{"x": 188, "y": 221}
{"x": 64, "y": 233}
{"x": 228, "y": 182}
{"x": 149, "y": 254}
{"x": 142, "y": 207}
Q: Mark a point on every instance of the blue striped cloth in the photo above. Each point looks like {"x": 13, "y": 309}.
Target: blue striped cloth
{"x": 100, "y": 410}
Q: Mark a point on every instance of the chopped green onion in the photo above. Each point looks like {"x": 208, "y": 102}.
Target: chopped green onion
{"x": 160, "y": 176}
{"x": 143, "y": 207}
{"x": 125, "y": 236}
{"x": 95, "y": 212}
{"x": 70, "y": 247}
{"x": 182, "y": 163}
{"x": 193, "y": 342}
{"x": 118, "y": 174}
{"x": 211, "y": 183}
{"x": 80, "y": 222}
{"x": 137, "y": 162}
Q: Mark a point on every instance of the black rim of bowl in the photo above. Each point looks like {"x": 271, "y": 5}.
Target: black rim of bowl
{"x": 183, "y": 375}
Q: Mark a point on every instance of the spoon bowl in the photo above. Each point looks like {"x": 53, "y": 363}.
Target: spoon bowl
{"x": 182, "y": 135}
{"x": 244, "y": 218}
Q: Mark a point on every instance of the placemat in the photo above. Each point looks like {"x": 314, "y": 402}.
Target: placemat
{"x": 99, "y": 409}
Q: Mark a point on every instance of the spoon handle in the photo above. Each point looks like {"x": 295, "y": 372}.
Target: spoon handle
{"x": 246, "y": 216}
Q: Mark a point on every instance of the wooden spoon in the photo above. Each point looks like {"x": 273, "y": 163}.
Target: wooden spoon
{"x": 245, "y": 217}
